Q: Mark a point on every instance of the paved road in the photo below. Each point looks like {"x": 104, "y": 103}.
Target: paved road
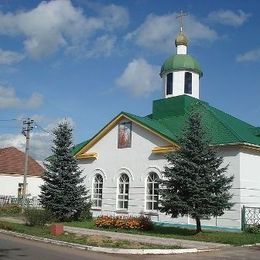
{"x": 17, "y": 248}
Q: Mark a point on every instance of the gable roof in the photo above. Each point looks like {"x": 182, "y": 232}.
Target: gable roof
{"x": 169, "y": 116}
{"x": 12, "y": 163}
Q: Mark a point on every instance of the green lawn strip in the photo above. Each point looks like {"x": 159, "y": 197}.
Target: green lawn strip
{"x": 233, "y": 238}
{"x": 91, "y": 240}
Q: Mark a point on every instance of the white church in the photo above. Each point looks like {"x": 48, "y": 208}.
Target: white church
{"x": 124, "y": 160}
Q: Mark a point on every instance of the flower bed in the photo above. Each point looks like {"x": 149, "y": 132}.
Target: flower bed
{"x": 141, "y": 223}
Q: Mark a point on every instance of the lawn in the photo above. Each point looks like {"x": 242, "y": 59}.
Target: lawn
{"x": 233, "y": 238}
{"x": 90, "y": 240}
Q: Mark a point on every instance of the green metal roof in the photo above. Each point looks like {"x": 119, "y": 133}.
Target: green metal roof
{"x": 169, "y": 117}
{"x": 78, "y": 147}
{"x": 179, "y": 62}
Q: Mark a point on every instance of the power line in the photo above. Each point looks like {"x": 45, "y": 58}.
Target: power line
{"x": 6, "y": 120}
{"x": 41, "y": 128}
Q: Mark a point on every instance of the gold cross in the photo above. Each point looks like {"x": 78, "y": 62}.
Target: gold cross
{"x": 180, "y": 16}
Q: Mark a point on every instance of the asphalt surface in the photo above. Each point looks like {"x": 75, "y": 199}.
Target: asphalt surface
{"x": 17, "y": 248}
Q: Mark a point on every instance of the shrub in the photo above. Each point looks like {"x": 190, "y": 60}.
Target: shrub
{"x": 10, "y": 209}
{"x": 142, "y": 222}
{"x": 5, "y": 226}
{"x": 255, "y": 228}
{"x": 37, "y": 217}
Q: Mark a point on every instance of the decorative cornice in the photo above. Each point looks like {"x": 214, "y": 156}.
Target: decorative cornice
{"x": 163, "y": 149}
{"x": 92, "y": 155}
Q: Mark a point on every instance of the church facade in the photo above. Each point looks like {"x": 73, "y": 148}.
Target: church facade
{"x": 123, "y": 162}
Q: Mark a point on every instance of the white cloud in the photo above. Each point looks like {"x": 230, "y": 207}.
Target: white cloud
{"x": 40, "y": 144}
{"x": 50, "y": 127}
{"x": 104, "y": 45}
{"x": 10, "y": 57}
{"x": 228, "y": 17}
{"x": 9, "y": 99}
{"x": 114, "y": 16}
{"x": 40, "y": 141}
{"x": 140, "y": 78}
{"x": 58, "y": 24}
{"x": 253, "y": 55}
{"x": 159, "y": 32}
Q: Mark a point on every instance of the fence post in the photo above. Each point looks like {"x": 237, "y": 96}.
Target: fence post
{"x": 243, "y": 218}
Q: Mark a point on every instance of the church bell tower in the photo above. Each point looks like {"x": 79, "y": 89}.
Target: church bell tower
{"x": 181, "y": 73}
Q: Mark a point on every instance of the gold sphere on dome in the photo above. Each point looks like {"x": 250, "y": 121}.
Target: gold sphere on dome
{"x": 181, "y": 39}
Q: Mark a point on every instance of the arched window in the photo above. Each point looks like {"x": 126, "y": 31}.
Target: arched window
{"x": 169, "y": 84}
{"x": 97, "y": 191}
{"x": 123, "y": 192}
{"x": 152, "y": 189}
{"x": 188, "y": 83}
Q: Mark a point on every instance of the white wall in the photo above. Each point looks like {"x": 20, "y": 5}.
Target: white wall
{"x": 250, "y": 178}
{"x": 137, "y": 162}
{"x": 9, "y": 185}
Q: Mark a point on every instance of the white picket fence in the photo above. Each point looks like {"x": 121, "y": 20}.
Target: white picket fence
{"x": 32, "y": 202}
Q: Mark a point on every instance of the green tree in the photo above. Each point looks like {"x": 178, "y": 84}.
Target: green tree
{"x": 63, "y": 192}
{"x": 194, "y": 180}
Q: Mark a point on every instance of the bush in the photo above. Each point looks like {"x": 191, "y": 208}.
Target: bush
{"x": 10, "y": 210}
{"x": 5, "y": 226}
{"x": 37, "y": 217}
{"x": 255, "y": 229}
{"x": 143, "y": 223}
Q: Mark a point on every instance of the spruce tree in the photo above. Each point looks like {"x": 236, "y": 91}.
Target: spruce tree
{"x": 63, "y": 192}
{"x": 194, "y": 180}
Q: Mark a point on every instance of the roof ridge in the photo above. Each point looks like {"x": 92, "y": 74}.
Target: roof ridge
{"x": 223, "y": 123}
{"x": 153, "y": 121}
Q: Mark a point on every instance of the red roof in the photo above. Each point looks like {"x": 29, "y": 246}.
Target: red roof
{"x": 12, "y": 162}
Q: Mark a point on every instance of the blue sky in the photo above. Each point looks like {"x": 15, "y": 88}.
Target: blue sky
{"x": 88, "y": 60}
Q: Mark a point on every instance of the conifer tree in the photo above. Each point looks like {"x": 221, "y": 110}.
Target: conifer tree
{"x": 63, "y": 192}
{"x": 194, "y": 181}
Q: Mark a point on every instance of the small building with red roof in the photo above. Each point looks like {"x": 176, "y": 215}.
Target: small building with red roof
{"x": 12, "y": 163}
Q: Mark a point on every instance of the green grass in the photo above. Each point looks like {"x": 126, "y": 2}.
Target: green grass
{"x": 91, "y": 240}
{"x": 233, "y": 238}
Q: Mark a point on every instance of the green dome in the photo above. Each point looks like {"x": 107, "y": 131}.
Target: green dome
{"x": 179, "y": 62}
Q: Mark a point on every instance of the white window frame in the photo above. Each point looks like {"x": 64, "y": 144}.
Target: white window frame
{"x": 124, "y": 195}
{"x": 97, "y": 186}
{"x": 152, "y": 197}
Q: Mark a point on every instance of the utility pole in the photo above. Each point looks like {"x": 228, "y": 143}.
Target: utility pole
{"x": 27, "y": 127}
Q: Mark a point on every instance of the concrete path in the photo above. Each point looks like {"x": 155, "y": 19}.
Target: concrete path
{"x": 13, "y": 220}
{"x": 146, "y": 239}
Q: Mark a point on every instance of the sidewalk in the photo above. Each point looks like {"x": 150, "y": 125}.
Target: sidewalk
{"x": 139, "y": 238}
{"x": 146, "y": 239}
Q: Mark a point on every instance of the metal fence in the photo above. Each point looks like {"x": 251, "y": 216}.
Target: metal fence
{"x": 250, "y": 216}
{"x": 30, "y": 202}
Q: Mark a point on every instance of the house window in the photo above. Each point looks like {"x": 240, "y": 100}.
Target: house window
{"x": 152, "y": 189}
{"x": 123, "y": 192}
{"x": 188, "y": 83}
{"x": 169, "y": 84}
{"x": 97, "y": 191}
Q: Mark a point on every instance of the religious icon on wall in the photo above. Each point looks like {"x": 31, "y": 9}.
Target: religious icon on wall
{"x": 124, "y": 134}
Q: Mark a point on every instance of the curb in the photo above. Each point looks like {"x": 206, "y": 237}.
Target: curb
{"x": 251, "y": 245}
{"x": 105, "y": 249}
